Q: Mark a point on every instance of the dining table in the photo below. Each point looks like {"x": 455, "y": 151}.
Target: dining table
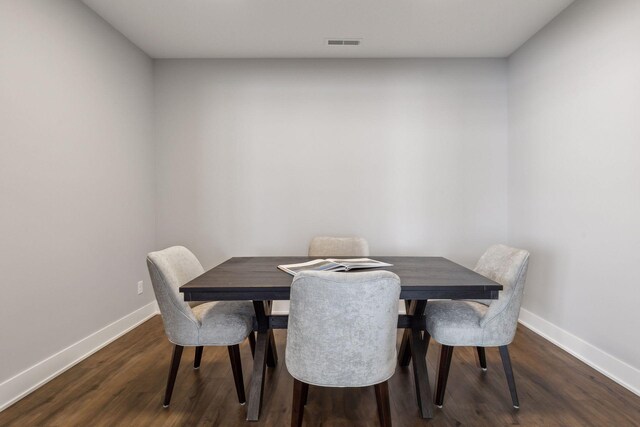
{"x": 258, "y": 279}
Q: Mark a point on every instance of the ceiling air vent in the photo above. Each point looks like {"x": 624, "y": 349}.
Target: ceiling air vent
{"x": 344, "y": 42}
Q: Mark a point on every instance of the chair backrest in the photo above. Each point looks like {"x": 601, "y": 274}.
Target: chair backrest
{"x": 507, "y": 266}
{"x": 322, "y": 246}
{"x": 342, "y": 328}
{"x": 169, "y": 269}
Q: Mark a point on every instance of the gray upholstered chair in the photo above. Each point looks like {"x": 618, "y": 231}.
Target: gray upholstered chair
{"x": 482, "y": 323}
{"x": 342, "y": 333}
{"x": 338, "y": 246}
{"x": 225, "y": 323}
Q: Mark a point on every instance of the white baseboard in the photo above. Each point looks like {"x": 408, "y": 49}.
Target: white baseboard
{"x": 18, "y": 386}
{"x": 619, "y": 371}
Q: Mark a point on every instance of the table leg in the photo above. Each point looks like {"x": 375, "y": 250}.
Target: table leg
{"x": 256, "y": 385}
{"x": 418, "y": 345}
{"x": 404, "y": 355}
{"x": 421, "y": 376}
{"x": 272, "y": 353}
{"x": 265, "y": 353}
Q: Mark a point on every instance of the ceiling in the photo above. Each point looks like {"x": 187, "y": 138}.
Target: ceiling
{"x": 300, "y": 28}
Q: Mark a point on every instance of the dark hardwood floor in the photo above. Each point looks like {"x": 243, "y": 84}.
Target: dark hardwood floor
{"x": 123, "y": 384}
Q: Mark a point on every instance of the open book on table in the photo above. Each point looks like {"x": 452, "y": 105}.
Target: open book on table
{"x": 333, "y": 264}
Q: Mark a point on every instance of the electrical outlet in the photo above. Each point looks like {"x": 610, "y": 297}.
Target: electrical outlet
{"x": 140, "y": 287}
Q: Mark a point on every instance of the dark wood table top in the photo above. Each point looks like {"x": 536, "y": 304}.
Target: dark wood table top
{"x": 258, "y": 278}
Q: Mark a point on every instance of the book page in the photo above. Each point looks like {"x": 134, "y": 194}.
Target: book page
{"x": 355, "y": 263}
{"x": 315, "y": 265}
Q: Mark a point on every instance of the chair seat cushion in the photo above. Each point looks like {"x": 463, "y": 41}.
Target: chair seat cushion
{"x": 456, "y": 323}
{"x": 224, "y": 322}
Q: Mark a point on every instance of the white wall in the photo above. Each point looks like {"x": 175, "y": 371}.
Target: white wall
{"x": 257, "y": 156}
{"x": 574, "y": 180}
{"x": 76, "y": 179}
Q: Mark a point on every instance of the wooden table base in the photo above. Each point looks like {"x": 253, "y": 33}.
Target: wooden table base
{"x": 413, "y": 348}
{"x": 420, "y": 374}
{"x": 256, "y": 386}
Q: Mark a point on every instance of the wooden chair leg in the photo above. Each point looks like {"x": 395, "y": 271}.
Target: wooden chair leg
{"x": 506, "y": 362}
{"x": 300, "y": 390}
{"x": 173, "y": 372}
{"x": 198, "y": 358}
{"x": 443, "y": 373}
{"x": 384, "y": 408}
{"x": 236, "y": 367}
{"x": 379, "y": 406}
{"x": 252, "y": 343}
{"x": 482, "y": 358}
{"x": 305, "y": 393}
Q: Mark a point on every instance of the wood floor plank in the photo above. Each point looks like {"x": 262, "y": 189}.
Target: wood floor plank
{"x": 123, "y": 385}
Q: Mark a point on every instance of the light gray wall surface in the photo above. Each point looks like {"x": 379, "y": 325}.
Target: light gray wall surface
{"x": 257, "y": 156}
{"x": 76, "y": 177}
{"x": 574, "y": 180}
